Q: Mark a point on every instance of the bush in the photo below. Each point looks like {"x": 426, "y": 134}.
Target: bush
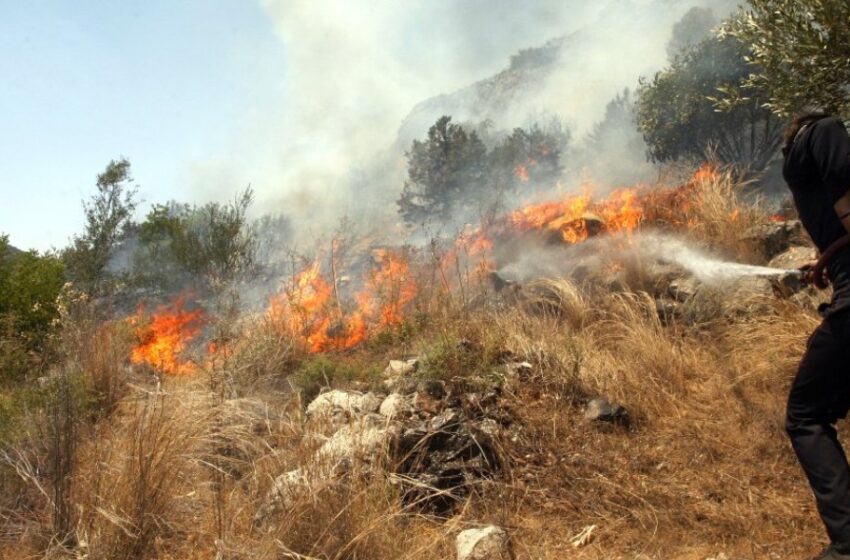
{"x": 29, "y": 286}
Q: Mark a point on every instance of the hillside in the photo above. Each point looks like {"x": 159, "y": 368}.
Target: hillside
{"x": 630, "y": 407}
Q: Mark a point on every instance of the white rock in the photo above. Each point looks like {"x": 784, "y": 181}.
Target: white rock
{"x": 348, "y": 402}
{"x": 395, "y": 405}
{"x": 399, "y": 368}
{"x": 361, "y": 440}
{"x": 283, "y": 493}
{"x": 486, "y": 543}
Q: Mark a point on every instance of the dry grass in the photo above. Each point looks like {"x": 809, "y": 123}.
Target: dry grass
{"x": 179, "y": 468}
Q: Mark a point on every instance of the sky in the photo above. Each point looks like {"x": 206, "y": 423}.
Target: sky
{"x": 208, "y": 97}
{"x": 166, "y": 84}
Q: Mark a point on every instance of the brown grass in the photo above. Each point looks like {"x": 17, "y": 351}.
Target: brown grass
{"x": 179, "y": 469}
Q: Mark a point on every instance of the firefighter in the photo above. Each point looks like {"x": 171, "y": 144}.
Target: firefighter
{"x": 817, "y": 170}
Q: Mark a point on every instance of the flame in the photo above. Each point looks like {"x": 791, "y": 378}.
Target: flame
{"x": 572, "y": 216}
{"x": 310, "y": 310}
{"x": 707, "y": 172}
{"x": 521, "y": 173}
{"x": 303, "y": 308}
{"x": 389, "y": 289}
{"x": 165, "y": 336}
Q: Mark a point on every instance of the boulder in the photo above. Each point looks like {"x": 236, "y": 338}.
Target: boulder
{"x": 486, "y": 543}
{"x": 397, "y": 371}
{"x": 363, "y": 442}
{"x": 775, "y": 237}
{"x": 683, "y": 289}
{"x": 667, "y": 310}
{"x": 401, "y": 367}
{"x": 349, "y": 403}
{"x": 429, "y": 396}
{"x": 396, "y": 406}
{"x": 748, "y": 295}
{"x": 284, "y": 492}
{"x": 601, "y": 409}
{"x": 794, "y": 257}
{"x": 437, "y": 444}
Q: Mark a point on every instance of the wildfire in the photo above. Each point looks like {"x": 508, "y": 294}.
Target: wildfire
{"x": 706, "y": 172}
{"x": 164, "y": 337}
{"x": 576, "y": 216}
{"x": 310, "y": 308}
{"x": 521, "y": 173}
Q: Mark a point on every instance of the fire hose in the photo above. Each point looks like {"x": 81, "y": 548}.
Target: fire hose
{"x": 817, "y": 273}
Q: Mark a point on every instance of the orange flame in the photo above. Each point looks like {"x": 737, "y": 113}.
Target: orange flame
{"x": 389, "y": 289}
{"x": 571, "y": 217}
{"x": 165, "y": 336}
{"x": 521, "y": 172}
{"x": 309, "y": 309}
{"x": 705, "y": 173}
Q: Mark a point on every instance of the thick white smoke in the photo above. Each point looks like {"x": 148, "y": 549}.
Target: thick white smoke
{"x": 356, "y": 68}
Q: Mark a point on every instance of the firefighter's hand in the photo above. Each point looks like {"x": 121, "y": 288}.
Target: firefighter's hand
{"x": 807, "y": 277}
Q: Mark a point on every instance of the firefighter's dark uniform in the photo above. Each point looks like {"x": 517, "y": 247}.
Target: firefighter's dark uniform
{"x": 817, "y": 170}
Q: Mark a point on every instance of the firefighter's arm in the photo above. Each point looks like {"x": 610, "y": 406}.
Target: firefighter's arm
{"x": 842, "y": 208}
{"x": 830, "y": 149}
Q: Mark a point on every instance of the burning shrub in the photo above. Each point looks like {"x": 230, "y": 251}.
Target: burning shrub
{"x": 165, "y": 336}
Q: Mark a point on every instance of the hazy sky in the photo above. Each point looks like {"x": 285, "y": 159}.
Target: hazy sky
{"x": 207, "y": 96}
{"x": 164, "y": 83}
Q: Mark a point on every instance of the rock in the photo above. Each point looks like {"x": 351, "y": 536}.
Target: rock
{"x": 362, "y": 442}
{"x": 396, "y": 405}
{"x": 602, "y": 410}
{"x": 790, "y": 283}
{"x": 795, "y": 257}
{"x": 437, "y": 443}
{"x": 396, "y": 373}
{"x": 683, "y": 289}
{"x": 285, "y": 490}
{"x": 593, "y": 223}
{"x": 748, "y": 295}
{"x": 498, "y": 283}
{"x": 398, "y": 368}
{"x": 775, "y": 237}
{"x": 486, "y": 543}
{"x": 349, "y": 403}
{"x": 661, "y": 275}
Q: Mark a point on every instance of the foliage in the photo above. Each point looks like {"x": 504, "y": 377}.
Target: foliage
{"x": 800, "y": 54}
{"x": 29, "y": 286}
{"x": 694, "y": 27}
{"x": 619, "y": 116}
{"x": 215, "y": 241}
{"x": 677, "y": 116}
{"x": 452, "y": 174}
{"x": 107, "y": 213}
{"x": 532, "y": 155}
{"x": 446, "y": 173}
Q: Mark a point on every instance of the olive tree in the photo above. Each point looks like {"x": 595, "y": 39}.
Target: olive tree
{"x": 799, "y": 54}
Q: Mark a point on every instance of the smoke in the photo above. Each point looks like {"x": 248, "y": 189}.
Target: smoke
{"x": 357, "y": 70}
{"x": 643, "y": 248}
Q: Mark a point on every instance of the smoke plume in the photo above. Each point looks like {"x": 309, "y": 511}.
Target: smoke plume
{"x": 356, "y": 70}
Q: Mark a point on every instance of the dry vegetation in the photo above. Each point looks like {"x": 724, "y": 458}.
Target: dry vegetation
{"x": 176, "y": 467}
